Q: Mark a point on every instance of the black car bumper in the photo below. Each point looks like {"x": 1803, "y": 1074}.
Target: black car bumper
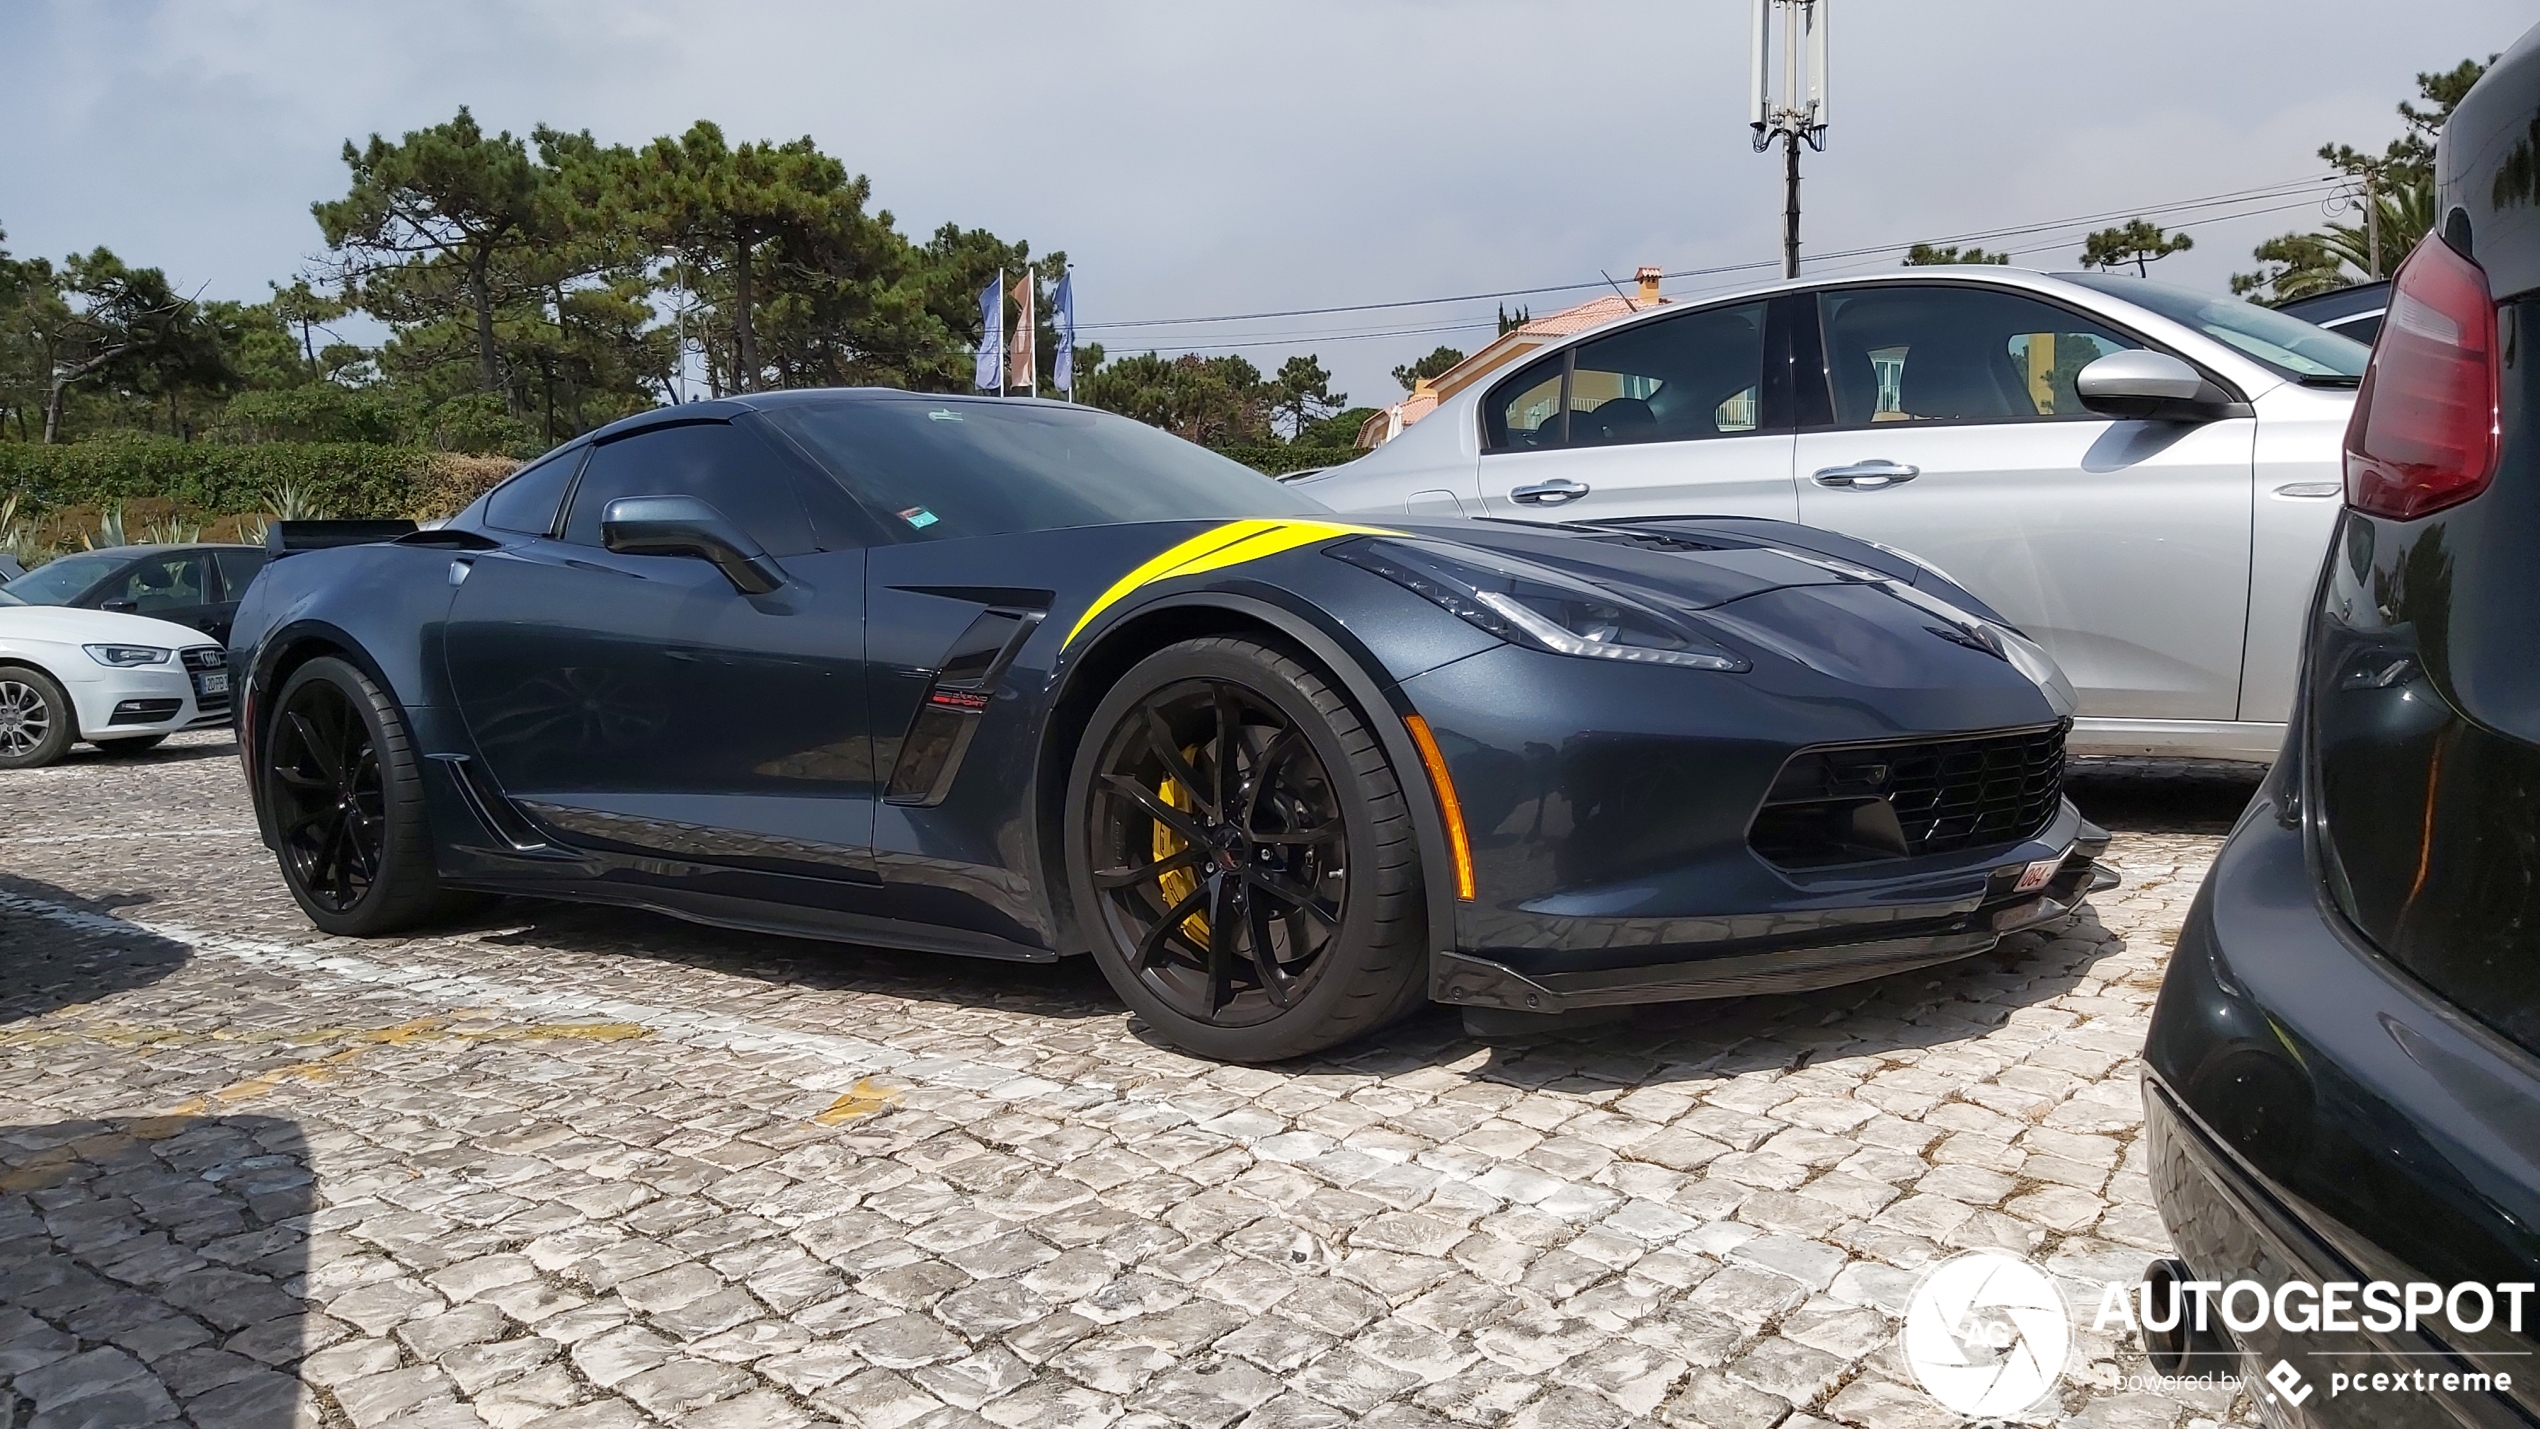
{"x": 2312, "y": 1115}
{"x": 1870, "y": 929}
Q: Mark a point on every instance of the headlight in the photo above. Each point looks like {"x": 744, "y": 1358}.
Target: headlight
{"x": 1531, "y": 605}
{"x": 125, "y": 656}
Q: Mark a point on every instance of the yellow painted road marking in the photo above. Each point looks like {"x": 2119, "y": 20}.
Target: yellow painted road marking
{"x": 866, "y": 1097}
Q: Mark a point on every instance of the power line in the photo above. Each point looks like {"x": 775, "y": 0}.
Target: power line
{"x": 2266, "y": 191}
{"x": 1857, "y": 258}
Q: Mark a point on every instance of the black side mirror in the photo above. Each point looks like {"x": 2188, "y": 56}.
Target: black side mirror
{"x": 121, "y": 605}
{"x": 2144, "y": 386}
{"x": 685, "y": 526}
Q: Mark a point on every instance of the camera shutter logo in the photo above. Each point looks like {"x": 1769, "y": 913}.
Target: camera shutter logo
{"x": 1986, "y": 1334}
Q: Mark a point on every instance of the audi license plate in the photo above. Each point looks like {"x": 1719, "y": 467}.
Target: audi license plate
{"x": 212, "y": 682}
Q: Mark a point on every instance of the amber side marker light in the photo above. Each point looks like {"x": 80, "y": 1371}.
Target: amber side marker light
{"x": 1449, "y": 808}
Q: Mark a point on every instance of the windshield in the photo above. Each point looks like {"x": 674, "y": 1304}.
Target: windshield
{"x": 7, "y": 599}
{"x": 2287, "y": 344}
{"x": 60, "y": 582}
{"x": 949, "y": 467}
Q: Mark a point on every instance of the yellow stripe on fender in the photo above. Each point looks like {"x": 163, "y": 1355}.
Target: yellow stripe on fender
{"x": 1229, "y": 545}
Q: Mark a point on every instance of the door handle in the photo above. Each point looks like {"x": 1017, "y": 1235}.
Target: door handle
{"x": 1549, "y": 493}
{"x": 2312, "y": 490}
{"x": 1867, "y": 475}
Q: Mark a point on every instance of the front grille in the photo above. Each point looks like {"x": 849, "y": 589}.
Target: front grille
{"x": 1863, "y": 802}
{"x": 202, "y": 660}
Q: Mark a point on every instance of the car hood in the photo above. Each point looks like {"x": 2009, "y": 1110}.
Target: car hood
{"x": 1867, "y": 621}
{"x": 69, "y": 625}
{"x": 1694, "y": 569}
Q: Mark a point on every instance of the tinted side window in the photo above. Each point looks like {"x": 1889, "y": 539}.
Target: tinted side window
{"x": 158, "y": 583}
{"x": 529, "y": 500}
{"x": 724, "y": 466}
{"x": 1670, "y": 379}
{"x": 1524, "y": 412}
{"x": 1949, "y": 354}
{"x": 237, "y": 569}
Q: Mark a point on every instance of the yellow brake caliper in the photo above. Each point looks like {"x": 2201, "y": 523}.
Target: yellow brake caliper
{"x": 1177, "y": 884}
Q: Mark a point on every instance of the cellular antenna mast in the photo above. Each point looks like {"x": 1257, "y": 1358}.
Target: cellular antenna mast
{"x": 1796, "y": 110}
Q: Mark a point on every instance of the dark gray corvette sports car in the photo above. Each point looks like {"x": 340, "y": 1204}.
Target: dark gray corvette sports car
{"x": 1021, "y": 680}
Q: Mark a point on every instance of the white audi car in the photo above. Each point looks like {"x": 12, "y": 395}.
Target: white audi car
{"x": 2143, "y": 478}
{"x": 120, "y": 682}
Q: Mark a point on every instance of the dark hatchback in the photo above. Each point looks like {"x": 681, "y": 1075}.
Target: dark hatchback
{"x": 190, "y": 585}
{"x": 2343, "y": 1072}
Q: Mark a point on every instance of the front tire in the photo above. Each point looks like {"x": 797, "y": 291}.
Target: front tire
{"x": 1241, "y": 857}
{"x": 37, "y": 723}
{"x": 346, "y": 796}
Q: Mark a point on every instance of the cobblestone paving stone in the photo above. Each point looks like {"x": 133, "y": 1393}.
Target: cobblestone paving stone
{"x": 581, "y": 1168}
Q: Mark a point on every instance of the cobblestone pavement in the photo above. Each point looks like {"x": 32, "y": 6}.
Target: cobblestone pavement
{"x": 587, "y": 1168}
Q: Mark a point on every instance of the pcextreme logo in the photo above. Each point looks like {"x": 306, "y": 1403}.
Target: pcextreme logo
{"x": 1986, "y": 1333}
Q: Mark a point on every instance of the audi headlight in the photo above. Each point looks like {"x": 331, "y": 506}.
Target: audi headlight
{"x": 126, "y": 656}
{"x": 1536, "y": 606}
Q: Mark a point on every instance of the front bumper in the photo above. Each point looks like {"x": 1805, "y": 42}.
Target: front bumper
{"x": 1613, "y": 962}
{"x": 141, "y": 700}
{"x": 2314, "y": 1116}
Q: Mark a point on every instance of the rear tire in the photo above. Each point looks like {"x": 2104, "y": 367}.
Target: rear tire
{"x": 1241, "y": 857}
{"x": 37, "y": 721}
{"x": 345, "y": 792}
{"x": 114, "y": 748}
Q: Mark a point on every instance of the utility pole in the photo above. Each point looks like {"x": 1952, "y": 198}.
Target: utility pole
{"x": 1796, "y": 109}
{"x": 2372, "y": 217}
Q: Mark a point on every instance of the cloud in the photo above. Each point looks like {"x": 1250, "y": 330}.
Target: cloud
{"x": 1207, "y": 158}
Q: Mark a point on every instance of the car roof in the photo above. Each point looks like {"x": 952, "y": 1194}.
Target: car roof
{"x": 724, "y": 409}
{"x": 2323, "y": 308}
{"x": 135, "y": 551}
{"x": 2252, "y": 375}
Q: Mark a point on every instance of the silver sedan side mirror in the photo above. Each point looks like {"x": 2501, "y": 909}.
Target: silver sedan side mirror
{"x": 2149, "y": 386}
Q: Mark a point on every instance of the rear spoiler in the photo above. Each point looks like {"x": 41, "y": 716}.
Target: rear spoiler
{"x": 284, "y": 537}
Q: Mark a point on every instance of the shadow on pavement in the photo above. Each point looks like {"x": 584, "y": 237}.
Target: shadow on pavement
{"x": 143, "y": 1266}
{"x": 46, "y": 965}
{"x": 1925, "y": 1008}
{"x": 2168, "y": 796}
{"x": 173, "y": 752}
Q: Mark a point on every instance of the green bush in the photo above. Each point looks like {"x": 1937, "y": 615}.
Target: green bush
{"x": 1280, "y": 460}
{"x": 216, "y": 479}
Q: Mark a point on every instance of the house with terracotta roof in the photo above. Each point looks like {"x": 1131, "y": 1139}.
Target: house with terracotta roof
{"x": 1504, "y": 349}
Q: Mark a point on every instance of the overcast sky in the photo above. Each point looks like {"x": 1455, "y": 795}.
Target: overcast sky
{"x": 1196, "y": 159}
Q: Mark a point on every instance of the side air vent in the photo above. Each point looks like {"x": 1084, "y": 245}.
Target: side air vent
{"x": 939, "y": 733}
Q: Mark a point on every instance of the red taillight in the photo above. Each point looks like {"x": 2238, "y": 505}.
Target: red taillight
{"x": 2423, "y": 436}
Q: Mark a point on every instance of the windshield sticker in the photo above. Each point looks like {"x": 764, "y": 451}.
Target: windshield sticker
{"x": 919, "y": 516}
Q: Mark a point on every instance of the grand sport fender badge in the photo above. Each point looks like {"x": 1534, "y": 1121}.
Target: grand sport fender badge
{"x": 1215, "y": 549}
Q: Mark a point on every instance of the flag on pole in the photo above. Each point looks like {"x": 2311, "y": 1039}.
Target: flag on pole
{"x": 985, "y": 371}
{"x": 1021, "y": 371}
{"x": 1063, "y": 320}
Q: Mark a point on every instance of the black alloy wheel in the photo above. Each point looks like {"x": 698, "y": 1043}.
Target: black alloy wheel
{"x": 329, "y": 806}
{"x": 344, "y": 799}
{"x": 1240, "y": 855}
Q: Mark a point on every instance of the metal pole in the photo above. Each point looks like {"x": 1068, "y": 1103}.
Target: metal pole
{"x": 1790, "y": 204}
{"x": 2372, "y": 218}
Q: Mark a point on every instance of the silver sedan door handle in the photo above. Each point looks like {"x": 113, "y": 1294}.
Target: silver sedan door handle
{"x": 1867, "y": 475}
{"x": 1549, "y": 493}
